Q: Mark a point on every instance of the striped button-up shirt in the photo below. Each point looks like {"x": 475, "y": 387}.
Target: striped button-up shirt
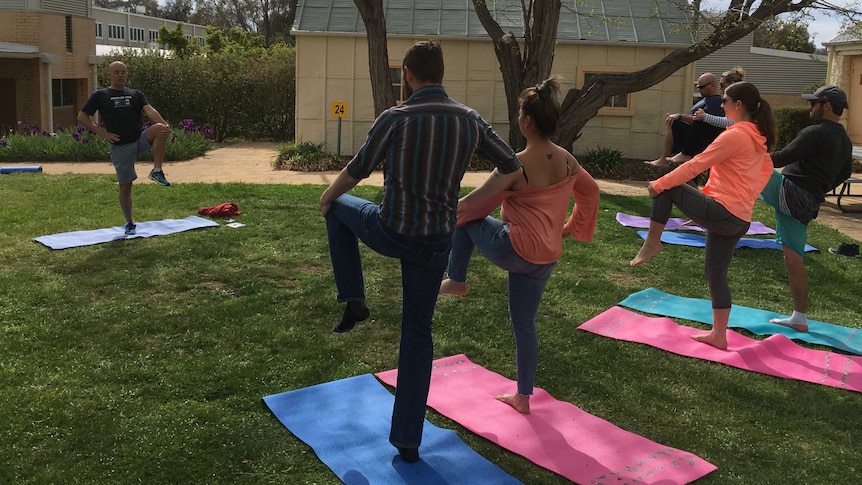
{"x": 426, "y": 144}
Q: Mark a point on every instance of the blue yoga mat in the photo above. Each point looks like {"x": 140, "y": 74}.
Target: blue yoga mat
{"x": 347, "y": 423}
{"x": 75, "y": 239}
{"x": 30, "y": 168}
{"x": 698, "y": 241}
{"x": 754, "y": 320}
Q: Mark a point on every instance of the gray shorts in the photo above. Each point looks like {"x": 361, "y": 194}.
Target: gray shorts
{"x": 124, "y": 157}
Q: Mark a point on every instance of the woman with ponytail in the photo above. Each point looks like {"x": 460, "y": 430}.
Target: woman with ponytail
{"x": 740, "y": 167}
{"x": 527, "y": 242}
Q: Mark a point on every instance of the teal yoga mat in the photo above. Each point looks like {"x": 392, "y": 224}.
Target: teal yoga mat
{"x": 347, "y": 422}
{"x": 754, "y": 320}
{"x": 698, "y": 241}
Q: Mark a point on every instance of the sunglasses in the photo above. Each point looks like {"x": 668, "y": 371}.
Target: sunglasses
{"x": 815, "y": 102}
{"x": 701, "y": 86}
{"x": 726, "y": 100}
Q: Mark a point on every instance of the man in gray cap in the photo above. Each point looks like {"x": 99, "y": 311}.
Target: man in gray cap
{"x": 816, "y": 161}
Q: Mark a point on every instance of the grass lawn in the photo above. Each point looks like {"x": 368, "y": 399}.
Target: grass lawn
{"x": 145, "y": 360}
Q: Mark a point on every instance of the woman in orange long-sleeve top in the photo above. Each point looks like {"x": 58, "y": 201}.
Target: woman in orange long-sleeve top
{"x": 527, "y": 242}
{"x": 740, "y": 167}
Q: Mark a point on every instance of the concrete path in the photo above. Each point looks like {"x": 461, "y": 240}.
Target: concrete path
{"x": 252, "y": 163}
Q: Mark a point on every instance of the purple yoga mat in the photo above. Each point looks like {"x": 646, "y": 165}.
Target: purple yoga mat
{"x": 776, "y": 355}
{"x": 675, "y": 224}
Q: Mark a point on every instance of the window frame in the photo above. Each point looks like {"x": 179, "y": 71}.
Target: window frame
{"x": 118, "y": 29}
{"x": 395, "y": 68}
{"x": 65, "y": 90}
{"x": 628, "y": 110}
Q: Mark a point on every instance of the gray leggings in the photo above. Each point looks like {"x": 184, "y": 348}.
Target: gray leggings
{"x": 723, "y": 232}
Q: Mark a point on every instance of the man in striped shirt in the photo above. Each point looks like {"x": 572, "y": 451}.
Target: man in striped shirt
{"x": 425, "y": 145}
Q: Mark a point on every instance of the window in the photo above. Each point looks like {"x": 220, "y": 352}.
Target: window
{"x": 68, "y": 33}
{"x": 154, "y": 36}
{"x": 63, "y": 91}
{"x": 619, "y": 105}
{"x": 618, "y": 101}
{"x": 397, "y": 86}
{"x": 136, "y": 34}
{"x": 201, "y": 41}
{"x": 117, "y": 32}
{"x": 98, "y": 30}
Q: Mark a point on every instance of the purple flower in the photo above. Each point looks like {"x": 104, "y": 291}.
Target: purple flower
{"x": 76, "y": 136}
{"x": 3, "y": 142}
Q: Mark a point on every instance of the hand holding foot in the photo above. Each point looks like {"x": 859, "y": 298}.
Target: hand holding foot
{"x": 716, "y": 339}
{"x": 449, "y": 287}
{"x": 517, "y": 401}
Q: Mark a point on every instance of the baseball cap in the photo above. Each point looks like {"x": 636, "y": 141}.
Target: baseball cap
{"x": 833, "y": 94}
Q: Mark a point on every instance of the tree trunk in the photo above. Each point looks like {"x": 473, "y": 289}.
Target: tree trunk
{"x": 378, "y": 54}
{"x": 529, "y": 69}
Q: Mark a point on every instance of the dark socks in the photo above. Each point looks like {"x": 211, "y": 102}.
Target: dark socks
{"x": 410, "y": 455}
{"x": 354, "y": 312}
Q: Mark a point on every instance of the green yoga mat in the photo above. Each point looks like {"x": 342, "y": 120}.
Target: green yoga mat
{"x": 754, "y": 320}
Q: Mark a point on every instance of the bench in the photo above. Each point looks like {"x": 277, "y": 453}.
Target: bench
{"x": 844, "y": 191}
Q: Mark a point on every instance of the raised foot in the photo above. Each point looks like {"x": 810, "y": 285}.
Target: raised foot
{"x": 449, "y": 287}
{"x": 717, "y": 341}
{"x": 517, "y": 401}
{"x": 646, "y": 253}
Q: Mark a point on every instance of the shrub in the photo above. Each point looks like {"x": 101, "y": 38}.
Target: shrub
{"x": 306, "y": 157}
{"x": 601, "y": 159}
{"x": 77, "y": 144}
{"x": 240, "y": 94}
{"x": 788, "y": 121}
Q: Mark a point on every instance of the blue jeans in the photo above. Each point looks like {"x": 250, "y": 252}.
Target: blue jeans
{"x": 423, "y": 261}
{"x": 526, "y": 285}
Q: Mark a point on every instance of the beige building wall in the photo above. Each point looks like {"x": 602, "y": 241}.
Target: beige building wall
{"x": 335, "y": 69}
{"x": 845, "y": 70}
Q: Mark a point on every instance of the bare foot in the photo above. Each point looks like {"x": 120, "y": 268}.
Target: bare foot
{"x": 679, "y": 158}
{"x": 646, "y": 253}
{"x": 517, "y": 401}
{"x": 799, "y": 327}
{"x": 717, "y": 341}
{"x": 660, "y": 162}
{"x": 449, "y": 287}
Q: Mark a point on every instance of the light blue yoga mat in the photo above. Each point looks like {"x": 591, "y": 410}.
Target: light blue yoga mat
{"x": 698, "y": 241}
{"x": 754, "y": 320}
{"x": 75, "y": 239}
{"x": 347, "y": 423}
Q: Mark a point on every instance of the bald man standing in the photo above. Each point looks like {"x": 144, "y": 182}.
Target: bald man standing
{"x": 120, "y": 108}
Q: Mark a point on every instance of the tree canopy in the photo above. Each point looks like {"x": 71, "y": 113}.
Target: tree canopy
{"x": 786, "y": 35}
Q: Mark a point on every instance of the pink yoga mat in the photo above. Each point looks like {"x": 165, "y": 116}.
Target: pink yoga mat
{"x": 775, "y": 356}
{"x": 555, "y": 435}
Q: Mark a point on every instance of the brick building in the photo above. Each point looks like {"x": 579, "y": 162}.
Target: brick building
{"x": 48, "y": 55}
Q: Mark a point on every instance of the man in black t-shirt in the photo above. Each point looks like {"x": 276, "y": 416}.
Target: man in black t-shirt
{"x": 120, "y": 108}
{"x": 819, "y": 159}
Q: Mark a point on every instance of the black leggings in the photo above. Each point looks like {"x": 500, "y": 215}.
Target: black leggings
{"x": 723, "y": 232}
